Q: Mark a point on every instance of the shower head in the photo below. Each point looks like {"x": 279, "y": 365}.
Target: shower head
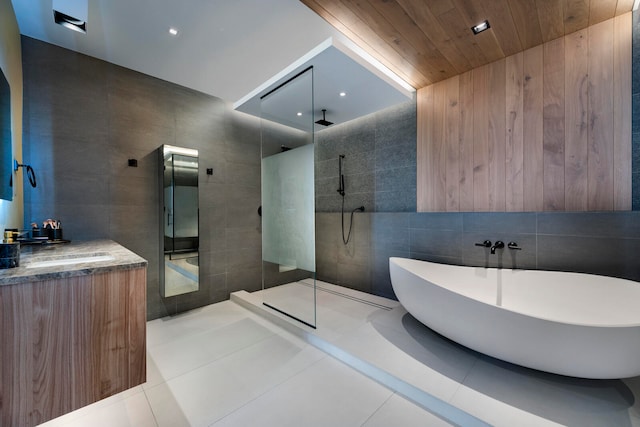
{"x": 323, "y": 121}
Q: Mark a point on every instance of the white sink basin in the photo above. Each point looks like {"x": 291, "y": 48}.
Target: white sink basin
{"x": 69, "y": 261}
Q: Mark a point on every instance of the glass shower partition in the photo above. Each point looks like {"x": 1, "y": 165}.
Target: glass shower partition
{"x": 288, "y": 199}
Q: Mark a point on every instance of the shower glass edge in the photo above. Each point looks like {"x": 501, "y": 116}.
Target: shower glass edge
{"x": 288, "y": 199}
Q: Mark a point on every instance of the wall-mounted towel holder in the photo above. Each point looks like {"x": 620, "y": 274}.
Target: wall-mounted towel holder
{"x": 30, "y": 172}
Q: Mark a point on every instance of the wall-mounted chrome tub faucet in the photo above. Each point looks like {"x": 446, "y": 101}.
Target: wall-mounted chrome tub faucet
{"x": 497, "y": 245}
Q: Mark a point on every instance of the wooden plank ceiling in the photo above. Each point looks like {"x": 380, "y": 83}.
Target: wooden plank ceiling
{"x": 425, "y": 41}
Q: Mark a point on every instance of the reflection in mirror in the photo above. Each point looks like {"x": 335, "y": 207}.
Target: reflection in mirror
{"x": 179, "y": 273}
{"x": 6, "y": 158}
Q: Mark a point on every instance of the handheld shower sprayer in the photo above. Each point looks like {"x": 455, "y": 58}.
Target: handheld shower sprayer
{"x": 341, "y": 191}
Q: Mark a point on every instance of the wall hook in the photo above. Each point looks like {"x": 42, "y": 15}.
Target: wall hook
{"x": 30, "y": 172}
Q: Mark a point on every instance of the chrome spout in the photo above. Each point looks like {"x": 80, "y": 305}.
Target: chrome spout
{"x": 498, "y": 245}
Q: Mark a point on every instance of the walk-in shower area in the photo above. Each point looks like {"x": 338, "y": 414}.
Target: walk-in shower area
{"x": 288, "y": 202}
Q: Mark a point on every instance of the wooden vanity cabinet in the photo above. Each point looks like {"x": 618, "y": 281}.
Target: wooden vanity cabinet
{"x": 66, "y": 343}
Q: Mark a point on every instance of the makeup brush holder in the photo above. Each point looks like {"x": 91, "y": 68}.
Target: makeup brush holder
{"x": 9, "y": 255}
{"x": 40, "y": 233}
{"x": 55, "y": 233}
{"x": 47, "y": 233}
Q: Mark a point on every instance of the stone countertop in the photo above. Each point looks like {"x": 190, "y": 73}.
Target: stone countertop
{"x": 113, "y": 255}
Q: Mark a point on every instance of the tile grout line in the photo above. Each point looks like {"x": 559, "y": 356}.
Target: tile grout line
{"x": 224, "y": 356}
{"x": 272, "y": 388}
{"x": 191, "y": 334}
{"x": 153, "y": 413}
{"x": 461, "y": 383}
{"x": 378, "y": 409}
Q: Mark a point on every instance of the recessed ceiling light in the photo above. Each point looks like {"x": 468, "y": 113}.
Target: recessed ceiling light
{"x": 299, "y": 113}
{"x": 480, "y": 27}
{"x": 173, "y": 31}
{"x": 70, "y": 22}
{"x": 343, "y": 93}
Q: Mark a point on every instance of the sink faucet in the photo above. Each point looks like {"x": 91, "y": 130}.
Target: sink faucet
{"x": 497, "y": 245}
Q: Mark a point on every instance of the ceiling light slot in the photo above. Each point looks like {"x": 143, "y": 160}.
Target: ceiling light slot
{"x": 71, "y": 14}
{"x": 483, "y": 26}
{"x": 70, "y": 22}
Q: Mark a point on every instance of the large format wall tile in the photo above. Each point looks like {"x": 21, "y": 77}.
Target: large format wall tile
{"x": 379, "y": 164}
{"x": 601, "y": 224}
{"x": 84, "y": 118}
{"x": 596, "y": 243}
{"x": 480, "y": 222}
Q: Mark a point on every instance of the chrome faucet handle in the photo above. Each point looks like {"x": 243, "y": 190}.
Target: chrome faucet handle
{"x": 485, "y": 244}
{"x": 514, "y": 246}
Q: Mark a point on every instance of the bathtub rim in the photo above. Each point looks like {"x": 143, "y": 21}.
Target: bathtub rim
{"x": 590, "y": 325}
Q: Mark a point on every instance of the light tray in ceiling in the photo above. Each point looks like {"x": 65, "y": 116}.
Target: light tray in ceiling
{"x": 369, "y": 87}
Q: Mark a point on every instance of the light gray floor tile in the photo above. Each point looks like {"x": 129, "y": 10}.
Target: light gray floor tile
{"x": 402, "y": 359}
{"x": 186, "y": 353}
{"x": 500, "y": 393}
{"x": 126, "y": 409}
{"x": 325, "y": 394}
{"x": 160, "y": 331}
{"x": 206, "y": 394}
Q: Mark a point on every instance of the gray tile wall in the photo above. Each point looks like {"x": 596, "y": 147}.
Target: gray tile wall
{"x": 635, "y": 123}
{"x": 379, "y": 164}
{"x": 599, "y": 243}
{"x": 83, "y": 118}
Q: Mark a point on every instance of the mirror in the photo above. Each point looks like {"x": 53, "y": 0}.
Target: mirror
{"x": 6, "y": 157}
{"x": 179, "y": 273}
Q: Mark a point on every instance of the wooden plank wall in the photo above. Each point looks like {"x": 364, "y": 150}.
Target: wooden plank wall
{"x": 547, "y": 129}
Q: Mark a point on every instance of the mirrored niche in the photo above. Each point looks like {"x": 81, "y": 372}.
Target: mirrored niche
{"x": 179, "y": 271}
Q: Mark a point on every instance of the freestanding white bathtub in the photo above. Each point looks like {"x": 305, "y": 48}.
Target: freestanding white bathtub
{"x": 573, "y": 324}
